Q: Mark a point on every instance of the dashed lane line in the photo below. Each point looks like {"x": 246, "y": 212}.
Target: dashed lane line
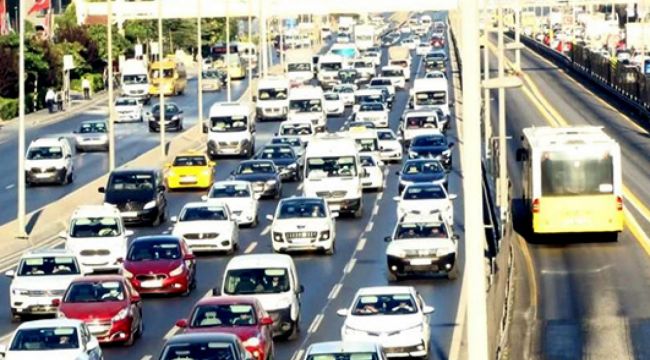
{"x": 298, "y": 354}
{"x": 266, "y": 230}
{"x": 315, "y": 324}
{"x": 350, "y": 266}
{"x": 10, "y": 186}
{"x": 250, "y": 247}
{"x": 361, "y": 244}
{"x": 335, "y": 291}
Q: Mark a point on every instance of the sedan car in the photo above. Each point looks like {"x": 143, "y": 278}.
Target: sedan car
{"x": 173, "y": 117}
{"x": 60, "y": 339}
{"x": 108, "y": 304}
{"x": 397, "y": 74}
{"x": 284, "y": 159}
{"x": 397, "y": 314}
{"x": 91, "y": 135}
{"x": 207, "y": 227}
{"x": 376, "y": 113}
{"x": 422, "y": 171}
{"x": 334, "y": 104}
{"x": 295, "y": 143}
{"x": 432, "y": 146}
{"x": 160, "y": 264}
{"x": 391, "y": 147}
{"x": 263, "y": 175}
{"x": 374, "y": 175}
{"x": 241, "y": 316}
{"x": 239, "y": 197}
{"x": 190, "y": 170}
{"x": 425, "y": 198}
{"x": 302, "y": 223}
{"x": 128, "y": 110}
{"x": 211, "y": 81}
{"x": 346, "y": 93}
{"x": 209, "y": 345}
{"x": 422, "y": 49}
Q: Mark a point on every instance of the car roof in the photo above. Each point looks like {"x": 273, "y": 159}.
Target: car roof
{"x": 198, "y": 204}
{"x": 48, "y": 141}
{"x": 417, "y": 161}
{"x": 135, "y": 171}
{"x": 231, "y": 182}
{"x": 98, "y": 278}
{"x": 434, "y": 133}
{"x": 330, "y": 347}
{"x": 256, "y": 161}
{"x": 225, "y": 300}
{"x": 382, "y": 290}
{"x": 152, "y": 238}
{"x": 302, "y": 198}
{"x": 40, "y": 252}
{"x": 95, "y": 211}
{"x": 203, "y": 337}
{"x": 260, "y": 261}
{"x": 38, "y": 324}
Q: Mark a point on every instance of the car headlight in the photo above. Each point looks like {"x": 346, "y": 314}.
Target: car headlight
{"x": 392, "y": 251}
{"x": 277, "y": 236}
{"x": 446, "y": 153}
{"x": 171, "y": 172}
{"x": 413, "y": 154}
{"x": 206, "y": 172}
{"x": 445, "y": 251}
{"x": 405, "y": 183}
{"x": 150, "y": 205}
{"x": 252, "y": 342}
{"x": 22, "y": 292}
{"x": 175, "y": 117}
{"x": 347, "y": 330}
{"x": 177, "y": 271}
{"x": 292, "y": 166}
{"x": 123, "y": 314}
{"x": 271, "y": 182}
{"x": 324, "y": 235}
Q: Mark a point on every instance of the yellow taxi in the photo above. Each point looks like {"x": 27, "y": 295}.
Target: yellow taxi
{"x": 190, "y": 170}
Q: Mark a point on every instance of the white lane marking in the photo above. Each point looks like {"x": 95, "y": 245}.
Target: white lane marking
{"x": 300, "y": 186}
{"x": 361, "y": 244}
{"x": 10, "y": 186}
{"x": 381, "y": 195}
{"x": 375, "y": 209}
{"x": 146, "y": 357}
{"x": 298, "y": 354}
{"x": 335, "y": 291}
{"x": 250, "y": 247}
{"x": 266, "y": 230}
{"x": 369, "y": 226}
{"x": 5, "y": 337}
{"x": 315, "y": 324}
{"x": 171, "y": 332}
{"x": 350, "y": 266}
{"x": 166, "y": 232}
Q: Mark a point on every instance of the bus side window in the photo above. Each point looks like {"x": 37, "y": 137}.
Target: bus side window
{"x": 522, "y": 154}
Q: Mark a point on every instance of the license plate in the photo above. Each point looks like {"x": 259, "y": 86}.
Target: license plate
{"x": 95, "y": 329}
{"x": 151, "y": 284}
{"x": 129, "y": 214}
{"x": 301, "y": 241}
{"x": 42, "y": 176}
{"x": 421, "y": 262}
{"x": 188, "y": 179}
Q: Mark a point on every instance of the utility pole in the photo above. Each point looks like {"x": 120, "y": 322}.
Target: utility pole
{"x": 503, "y": 177}
{"x": 111, "y": 84}
{"x": 161, "y": 94}
{"x": 487, "y": 106}
{"x": 199, "y": 60}
{"x": 517, "y": 11}
{"x": 250, "y": 56}
{"x": 20, "y": 20}
{"x": 229, "y": 91}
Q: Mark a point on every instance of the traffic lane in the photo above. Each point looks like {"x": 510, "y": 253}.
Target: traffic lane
{"x": 132, "y": 143}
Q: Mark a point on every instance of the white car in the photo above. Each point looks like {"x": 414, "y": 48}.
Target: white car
{"x": 346, "y": 92}
{"x": 422, "y": 243}
{"x": 42, "y": 275}
{"x": 302, "y": 223}
{"x": 435, "y": 74}
{"x": 334, "y": 104}
{"x": 365, "y": 68}
{"x": 207, "y": 227}
{"x": 426, "y": 198}
{"x": 240, "y": 198}
{"x": 301, "y": 129}
{"x": 374, "y": 176}
{"x": 397, "y": 74}
{"x": 405, "y": 29}
{"x": 389, "y": 144}
{"x": 128, "y": 110}
{"x": 374, "y": 56}
{"x": 423, "y": 49}
{"x": 49, "y": 160}
{"x": 345, "y": 350}
{"x": 374, "y": 112}
{"x": 409, "y": 43}
{"x": 60, "y": 339}
{"x": 395, "y": 314}
{"x": 385, "y": 82}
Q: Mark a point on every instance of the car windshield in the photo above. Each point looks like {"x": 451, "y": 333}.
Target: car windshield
{"x": 386, "y": 135}
{"x": 392, "y": 73}
{"x": 428, "y": 192}
{"x": 367, "y": 161}
{"x": 90, "y": 292}
{"x": 290, "y": 209}
{"x": 228, "y": 123}
{"x": 366, "y": 145}
{"x": 305, "y": 105}
{"x": 388, "y": 304}
{"x": 332, "y": 96}
{"x": 295, "y": 67}
{"x": 434, "y": 57}
{"x": 429, "y": 141}
{"x": 48, "y": 265}
{"x": 409, "y": 231}
{"x": 166, "y": 73}
{"x": 229, "y": 191}
{"x": 422, "y": 167}
{"x": 256, "y": 281}
{"x": 154, "y": 250}
{"x": 431, "y": 98}
{"x": 169, "y": 109}
{"x": 421, "y": 122}
{"x": 363, "y": 64}
{"x": 45, "y": 338}
{"x": 343, "y": 89}
{"x": 296, "y": 129}
{"x": 330, "y": 66}
{"x": 255, "y": 167}
{"x": 203, "y": 213}
{"x": 272, "y": 94}
{"x": 381, "y": 82}
{"x": 276, "y": 153}
{"x": 45, "y": 153}
{"x": 368, "y": 99}
{"x": 321, "y": 167}
{"x": 344, "y": 356}
{"x": 190, "y": 160}
{"x": 92, "y": 227}
{"x": 434, "y": 75}
{"x": 131, "y": 182}
{"x": 294, "y": 142}
{"x": 126, "y": 102}
{"x": 371, "y": 107}
{"x": 211, "y": 74}
{"x": 140, "y": 79}
{"x": 208, "y": 350}
{"x": 223, "y": 315}
{"x": 93, "y": 127}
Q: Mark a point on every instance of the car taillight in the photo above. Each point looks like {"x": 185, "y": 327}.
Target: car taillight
{"x": 619, "y": 203}
{"x": 535, "y": 206}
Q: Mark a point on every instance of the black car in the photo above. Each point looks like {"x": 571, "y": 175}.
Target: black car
{"x": 263, "y": 176}
{"x": 139, "y": 194}
{"x": 422, "y": 171}
{"x": 431, "y": 146}
{"x": 173, "y": 117}
{"x": 284, "y": 158}
{"x": 211, "y": 345}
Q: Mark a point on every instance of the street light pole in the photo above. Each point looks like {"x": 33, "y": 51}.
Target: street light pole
{"x": 111, "y": 105}
{"x": 229, "y": 91}
{"x": 517, "y": 10}
{"x": 199, "y": 60}
{"x": 161, "y": 101}
{"x": 487, "y": 106}
{"x": 20, "y": 20}
{"x": 250, "y": 56}
{"x": 503, "y": 178}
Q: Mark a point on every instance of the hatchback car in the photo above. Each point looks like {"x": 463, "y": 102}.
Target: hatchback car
{"x": 422, "y": 171}
{"x": 128, "y": 109}
{"x": 108, "y": 304}
{"x": 346, "y": 93}
{"x": 190, "y": 170}
{"x": 239, "y": 197}
{"x": 373, "y": 178}
{"x": 160, "y": 264}
{"x": 139, "y": 194}
{"x": 334, "y": 104}
{"x": 391, "y": 147}
{"x": 173, "y": 117}
{"x": 284, "y": 158}
{"x": 373, "y": 112}
{"x": 205, "y": 346}
{"x": 91, "y": 135}
{"x": 263, "y": 176}
{"x": 207, "y": 227}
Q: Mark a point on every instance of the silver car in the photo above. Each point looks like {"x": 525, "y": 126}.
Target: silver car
{"x": 91, "y": 135}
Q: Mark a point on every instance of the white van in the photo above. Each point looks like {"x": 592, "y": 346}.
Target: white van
{"x": 299, "y": 66}
{"x": 98, "y": 237}
{"x": 430, "y": 93}
{"x": 273, "y": 280}
{"x": 135, "y": 80}
{"x": 231, "y": 130}
{"x": 333, "y": 172}
{"x": 49, "y": 160}
{"x": 308, "y": 103}
{"x": 328, "y": 69}
{"x": 272, "y": 99}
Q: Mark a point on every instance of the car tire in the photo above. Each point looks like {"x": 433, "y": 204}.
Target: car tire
{"x": 16, "y": 318}
{"x": 140, "y": 327}
{"x": 131, "y": 340}
{"x": 278, "y": 194}
{"x": 331, "y": 250}
{"x": 70, "y": 177}
{"x": 453, "y": 274}
{"x": 358, "y": 213}
{"x": 255, "y": 221}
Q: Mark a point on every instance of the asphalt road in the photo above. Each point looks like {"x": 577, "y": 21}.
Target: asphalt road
{"x": 591, "y": 294}
{"x": 360, "y": 251}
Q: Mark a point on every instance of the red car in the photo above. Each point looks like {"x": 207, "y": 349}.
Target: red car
{"x": 242, "y": 316}
{"x": 437, "y": 42}
{"x": 161, "y": 264}
{"x": 108, "y": 304}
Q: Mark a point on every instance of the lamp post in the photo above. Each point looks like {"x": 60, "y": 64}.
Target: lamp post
{"x": 228, "y": 91}
{"x": 161, "y": 95}
{"x": 250, "y": 56}
{"x": 20, "y": 21}
{"x": 111, "y": 104}
{"x": 199, "y": 60}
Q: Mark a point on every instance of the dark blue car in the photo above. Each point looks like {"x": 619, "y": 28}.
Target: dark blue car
{"x": 431, "y": 146}
{"x": 422, "y": 171}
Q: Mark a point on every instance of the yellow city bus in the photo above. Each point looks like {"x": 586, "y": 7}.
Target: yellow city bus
{"x": 572, "y": 180}
{"x": 174, "y": 77}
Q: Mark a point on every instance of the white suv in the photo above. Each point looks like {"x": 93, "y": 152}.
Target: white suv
{"x": 207, "y": 227}
{"x": 240, "y": 198}
{"x": 42, "y": 275}
{"x": 426, "y": 198}
{"x": 49, "y": 160}
{"x": 395, "y": 314}
{"x": 302, "y": 223}
{"x": 98, "y": 237}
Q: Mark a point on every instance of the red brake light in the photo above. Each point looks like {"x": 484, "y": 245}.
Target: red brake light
{"x": 619, "y": 203}
{"x": 535, "y": 206}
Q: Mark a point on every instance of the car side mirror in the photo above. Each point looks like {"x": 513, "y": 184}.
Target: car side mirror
{"x": 428, "y": 310}
{"x": 120, "y": 260}
{"x": 205, "y": 128}
{"x": 455, "y": 237}
{"x": 75, "y": 131}
{"x": 10, "y": 273}
{"x": 398, "y": 173}
{"x": 301, "y": 289}
{"x": 136, "y": 298}
{"x": 388, "y": 239}
{"x": 168, "y": 165}
{"x": 257, "y": 196}
{"x": 101, "y": 190}
{"x": 342, "y": 312}
{"x": 216, "y": 292}
{"x": 335, "y": 214}
{"x": 266, "y": 320}
{"x": 161, "y": 188}
{"x": 173, "y": 219}
{"x": 56, "y": 302}
{"x": 522, "y": 155}
{"x": 269, "y": 217}
{"x": 204, "y": 198}
{"x": 181, "y": 323}
{"x": 453, "y": 196}
{"x": 129, "y": 233}
{"x": 180, "y": 111}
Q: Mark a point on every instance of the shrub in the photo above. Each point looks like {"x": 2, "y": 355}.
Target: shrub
{"x": 8, "y": 108}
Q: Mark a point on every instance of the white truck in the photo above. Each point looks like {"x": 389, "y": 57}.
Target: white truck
{"x": 308, "y": 103}
{"x": 364, "y": 36}
{"x": 299, "y": 66}
{"x": 231, "y": 130}
{"x": 272, "y": 98}
{"x": 400, "y": 56}
{"x": 135, "y": 80}
{"x": 333, "y": 172}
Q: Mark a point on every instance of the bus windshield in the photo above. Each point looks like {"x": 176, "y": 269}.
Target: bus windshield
{"x": 576, "y": 173}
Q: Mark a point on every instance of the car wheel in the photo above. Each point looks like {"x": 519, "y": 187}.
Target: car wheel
{"x": 180, "y": 126}
{"x": 16, "y": 318}
{"x": 70, "y": 178}
{"x": 140, "y": 326}
{"x": 157, "y": 221}
{"x": 187, "y": 291}
{"x": 278, "y": 194}
{"x": 255, "y": 221}
{"x": 331, "y": 250}
{"x": 453, "y": 274}
{"x": 131, "y": 340}
{"x": 359, "y": 212}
